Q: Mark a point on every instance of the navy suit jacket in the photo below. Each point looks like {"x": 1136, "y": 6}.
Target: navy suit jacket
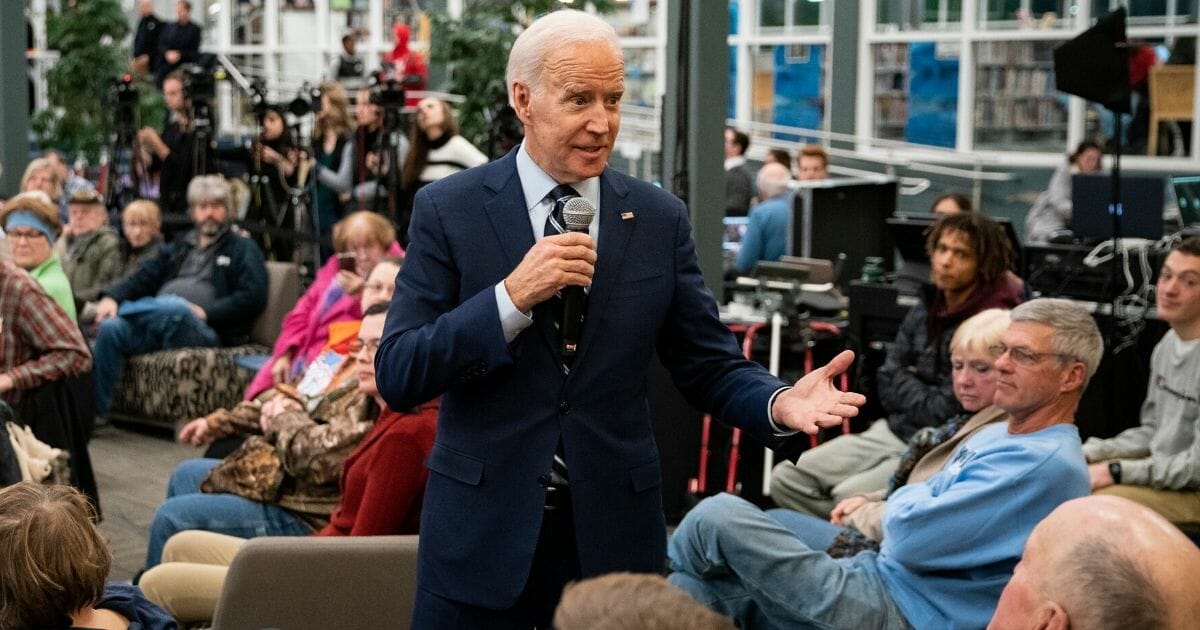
{"x": 504, "y": 406}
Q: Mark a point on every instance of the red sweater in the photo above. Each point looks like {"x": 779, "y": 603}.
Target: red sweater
{"x": 383, "y": 480}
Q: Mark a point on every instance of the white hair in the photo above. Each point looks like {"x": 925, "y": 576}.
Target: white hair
{"x": 547, "y": 33}
{"x": 1075, "y": 333}
{"x": 773, "y": 180}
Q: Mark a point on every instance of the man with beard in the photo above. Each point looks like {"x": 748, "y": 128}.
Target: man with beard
{"x": 203, "y": 289}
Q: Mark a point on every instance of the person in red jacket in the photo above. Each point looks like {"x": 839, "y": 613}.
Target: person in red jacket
{"x": 382, "y": 486}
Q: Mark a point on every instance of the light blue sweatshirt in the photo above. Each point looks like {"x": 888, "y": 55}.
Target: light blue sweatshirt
{"x": 950, "y": 543}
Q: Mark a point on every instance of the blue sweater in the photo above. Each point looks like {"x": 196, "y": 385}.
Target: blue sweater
{"x": 766, "y": 233}
{"x": 950, "y": 544}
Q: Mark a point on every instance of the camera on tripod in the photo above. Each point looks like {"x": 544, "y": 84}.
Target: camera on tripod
{"x": 387, "y": 93}
{"x": 307, "y": 101}
{"x": 199, "y": 83}
{"x": 124, "y": 94}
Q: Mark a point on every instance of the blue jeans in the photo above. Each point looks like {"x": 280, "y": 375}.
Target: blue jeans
{"x": 171, "y": 324}
{"x": 815, "y": 533}
{"x": 187, "y": 508}
{"x": 734, "y": 558}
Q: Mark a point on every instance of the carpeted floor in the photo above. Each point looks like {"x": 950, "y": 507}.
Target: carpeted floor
{"x": 132, "y": 466}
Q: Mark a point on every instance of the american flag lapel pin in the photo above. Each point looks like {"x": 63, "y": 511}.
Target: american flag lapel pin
{"x": 626, "y": 216}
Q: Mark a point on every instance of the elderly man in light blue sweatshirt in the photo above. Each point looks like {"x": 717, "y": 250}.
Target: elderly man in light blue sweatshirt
{"x": 1157, "y": 463}
{"x": 951, "y": 542}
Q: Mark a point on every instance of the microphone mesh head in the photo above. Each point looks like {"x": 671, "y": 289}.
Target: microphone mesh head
{"x": 577, "y": 214}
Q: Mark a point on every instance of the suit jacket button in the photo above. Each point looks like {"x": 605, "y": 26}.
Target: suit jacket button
{"x": 564, "y": 408}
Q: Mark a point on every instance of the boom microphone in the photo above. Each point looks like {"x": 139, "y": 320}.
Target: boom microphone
{"x": 577, "y": 217}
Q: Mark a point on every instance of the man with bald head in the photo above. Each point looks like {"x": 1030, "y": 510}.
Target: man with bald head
{"x": 766, "y": 232}
{"x": 1102, "y": 562}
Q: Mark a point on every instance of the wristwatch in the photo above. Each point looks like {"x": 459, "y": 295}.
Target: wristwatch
{"x": 1114, "y": 469}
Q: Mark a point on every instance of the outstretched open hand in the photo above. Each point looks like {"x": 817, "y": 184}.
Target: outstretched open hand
{"x": 815, "y": 402}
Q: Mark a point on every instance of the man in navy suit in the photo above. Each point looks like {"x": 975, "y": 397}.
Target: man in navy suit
{"x": 545, "y": 468}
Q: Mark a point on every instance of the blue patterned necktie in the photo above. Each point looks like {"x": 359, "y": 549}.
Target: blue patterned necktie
{"x": 556, "y": 225}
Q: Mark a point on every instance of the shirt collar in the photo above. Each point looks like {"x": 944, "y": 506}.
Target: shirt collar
{"x": 734, "y": 161}
{"x": 536, "y": 184}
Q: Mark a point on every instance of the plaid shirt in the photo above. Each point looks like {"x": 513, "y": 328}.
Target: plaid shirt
{"x": 38, "y": 341}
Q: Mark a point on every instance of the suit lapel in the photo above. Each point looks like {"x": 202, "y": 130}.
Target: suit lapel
{"x": 510, "y": 220}
{"x": 615, "y": 233}
{"x": 507, "y": 211}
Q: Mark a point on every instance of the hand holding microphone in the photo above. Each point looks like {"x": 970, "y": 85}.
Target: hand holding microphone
{"x": 554, "y": 263}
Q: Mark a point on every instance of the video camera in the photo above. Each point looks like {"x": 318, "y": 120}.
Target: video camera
{"x": 199, "y": 83}
{"x": 124, "y": 94}
{"x": 307, "y": 101}
{"x": 387, "y": 93}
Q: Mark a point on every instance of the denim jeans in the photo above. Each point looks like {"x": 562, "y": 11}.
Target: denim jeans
{"x": 815, "y": 533}
{"x": 187, "y": 508}
{"x": 172, "y": 324}
{"x": 736, "y": 559}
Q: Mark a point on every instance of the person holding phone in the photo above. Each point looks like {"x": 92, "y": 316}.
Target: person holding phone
{"x": 360, "y": 241}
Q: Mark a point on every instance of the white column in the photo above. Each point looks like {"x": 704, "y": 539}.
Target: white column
{"x": 743, "y": 97}
{"x": 864, "y": 117}
{"x": 964, "y": 139}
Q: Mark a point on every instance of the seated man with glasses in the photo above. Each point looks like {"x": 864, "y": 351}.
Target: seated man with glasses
{"x": 1157, "y": 463}
{"x": 951, "y": 542}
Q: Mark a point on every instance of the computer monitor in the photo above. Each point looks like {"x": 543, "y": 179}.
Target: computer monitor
{"x": 731, "y": 240}
{"x": 1142, "y": 199}
{"x": 835, "y": 217}
{"x": 1187, "y": 193}
{"x": 908, "y": 232}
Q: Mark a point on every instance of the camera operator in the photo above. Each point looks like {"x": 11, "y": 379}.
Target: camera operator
{"x": 272, "y": 159}
{"x": 369, "y": 169}
{"x": 173, "y": 154}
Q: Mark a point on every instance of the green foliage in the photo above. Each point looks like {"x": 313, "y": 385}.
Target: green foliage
{"x": 80, "y": 116}
{"x": 475, "y": 51}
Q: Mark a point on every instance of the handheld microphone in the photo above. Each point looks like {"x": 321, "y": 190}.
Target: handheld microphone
{"x": 577, "y": 217}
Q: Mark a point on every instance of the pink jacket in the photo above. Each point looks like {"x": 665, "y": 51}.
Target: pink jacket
{"x": 306, "y": 327}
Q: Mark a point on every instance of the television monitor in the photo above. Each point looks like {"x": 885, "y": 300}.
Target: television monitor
{"x": 1142, "y": 198}
{"x": 835, "y": 217}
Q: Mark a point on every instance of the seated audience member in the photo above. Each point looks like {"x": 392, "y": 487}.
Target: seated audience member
{"x": 294, "y": 491}
{"x": 1051, "y": 211}
{"x": 43, "y": 174}
{"x": 971, "y": 272}
{"x": 1157, "y": 463}
{"x": 617, "y": 601}
{"x": 203, "y": 289}
{"x": 90, "y": 249}
{"x": 950, "y": 203}
{"x": 812, "y": 163}
{"x": 856, "y": 522}
{"x": 54, "y": 563}
{"x": 950, "y": 542}
{"x": 913, "y": 274}
{"x": 31, "y": 226}
{"x": 766, "y": 231}
{"x": 71, "y": 183}
{"x": 382, "y": 485}
{"x": 739, "y": 183}
{"x": 141, "y": 225}
{"x": 1102, "y": 563}
{"x": 247, "y": 417}
{"x": 42, "y": 346}
{"x": 778, "y": 156}
{"x": 366, "y": 237}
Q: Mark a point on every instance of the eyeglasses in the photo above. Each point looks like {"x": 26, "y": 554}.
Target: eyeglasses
{"x": 1022, "y": 355}
{"x": 358, "y": 345}
{"x": 27, "y": 235}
